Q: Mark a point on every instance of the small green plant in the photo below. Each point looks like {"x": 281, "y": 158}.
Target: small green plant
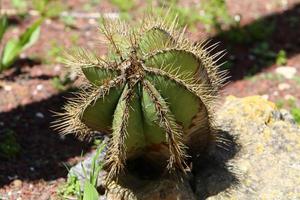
{"x": 61, "y": 84}
{"x": 279, "y": 103}
{"x": 15, "y": 46}
{"x": 89, "y": 190}
{"x": 281, "y": 58}
{"x": 124, "y": 5}
{"x": 70, "y": 189}
{"x": 290, "y": 104}
{"x": 296, "y": 114}
{"x": 258, "y": 31}
{"x": 212, "y": 14}
{"x": 55, "y": 52}
{"x": 297, "y": 79}
{"x": 154, "y": 94}
{"x": 20, "y": 5}
{"x": 48, "y": 8}
{"x": 68, "y": 20}
{"x": 9, "y": 147}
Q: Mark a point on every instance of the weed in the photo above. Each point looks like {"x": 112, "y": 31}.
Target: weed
{"x": 297, "y": 79}
{"x": 20, "y": 5}
{"x": 68, "y": 20}
{"x": 9, "y": 147}
{"x": 279, "y": 103}
{"x": 48, "y": 8}
{"x": 281, "y": 58}
{"x": 272, "y": 77}
{"x": 265, "y": 56}
{"x": 89, "y": 191}
{"x": 14, "y": 47}
{"x": 296, "y": 114}
{"x": 292, "y": 106}
{"x": 212, "y": 13}
{"x": 123, "y": 5}
{"x": 55, "y": 51}
{"x": 71, "y": 188}
{"x": 258, "y": 31}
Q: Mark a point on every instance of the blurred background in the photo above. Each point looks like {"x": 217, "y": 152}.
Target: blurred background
{"x": 261, "y": 39}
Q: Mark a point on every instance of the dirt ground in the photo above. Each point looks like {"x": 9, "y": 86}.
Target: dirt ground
{"x": 28, "y": 96}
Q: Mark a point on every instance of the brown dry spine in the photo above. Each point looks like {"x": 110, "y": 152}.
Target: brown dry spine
{"x": 116, "y": 154}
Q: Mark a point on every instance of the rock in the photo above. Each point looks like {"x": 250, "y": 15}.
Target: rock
{"x": 283, "y": 86}
{"x": 257, "y": 157}
{"x": 268, "y": 164}
{"x": 17, "y": 183}
{"x": 286, "y": 71}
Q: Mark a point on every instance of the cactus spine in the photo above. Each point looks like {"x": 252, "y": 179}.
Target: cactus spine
{"x": 154, "y": 94}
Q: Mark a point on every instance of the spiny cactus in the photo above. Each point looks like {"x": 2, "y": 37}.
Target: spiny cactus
{"x": 154, "y": 94}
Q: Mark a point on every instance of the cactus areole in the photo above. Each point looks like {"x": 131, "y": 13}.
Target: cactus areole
{"x": 153, "y": 94}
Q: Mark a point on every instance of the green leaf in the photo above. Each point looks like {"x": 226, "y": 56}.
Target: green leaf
{"x": 90, "y": 192}
{"x": 155, "y": 39}
{"x": 31, "y": 35}
{"x": 14, "y": 47}
{"x": 97, "y": 75}
{"x": 3, "y": 26}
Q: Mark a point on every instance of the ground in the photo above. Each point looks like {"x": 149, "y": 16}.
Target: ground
{"x": 28, "y": 94}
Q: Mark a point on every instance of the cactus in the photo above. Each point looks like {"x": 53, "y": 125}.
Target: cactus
{"x": 153, "y": 94}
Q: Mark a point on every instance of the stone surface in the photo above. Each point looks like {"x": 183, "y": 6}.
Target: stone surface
{"x": 257, "y": 157}
{"x": 268, "y": 163}
{"x": 286, "y": 71}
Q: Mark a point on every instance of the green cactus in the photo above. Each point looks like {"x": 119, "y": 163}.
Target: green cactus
{"x": 154, "y": 94}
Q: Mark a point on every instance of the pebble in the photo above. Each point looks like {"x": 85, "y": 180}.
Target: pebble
{"x": 265, "y": 96}
{"x": 39, "y": 115}
{"x": 283, "y": 86}
{"x": 7, "y": 88}
{"x": 17, "y": 183}
{"x": 286, "y": 71}
{"x": 275, "y": 93}
{"x": 39, "y": 87}
{"x": 57, "y": 68}
{"x": 289, "y": 97}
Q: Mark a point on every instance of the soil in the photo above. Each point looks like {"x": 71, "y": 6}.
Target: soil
{"x": 28, "y": 96}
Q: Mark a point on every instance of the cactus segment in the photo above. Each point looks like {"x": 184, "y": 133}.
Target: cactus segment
{"x": 97, "y": 75}
{"x": 178, "y": 62}
{"x": 154, "y": 134}
{"x": 105, "y": 105}
{"x": 183, "y": 103}
{"x": 155, "y": 39}
{"x": 135, "y": 141}
{"x": 127, "y": 129}
{"x": 174, "y": 133}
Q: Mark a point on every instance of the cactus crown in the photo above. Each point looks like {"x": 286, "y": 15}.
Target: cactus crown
{"x": 153, "y": 93}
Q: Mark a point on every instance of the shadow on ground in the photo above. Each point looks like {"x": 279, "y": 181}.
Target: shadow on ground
{"x": 42, "y": 151}
{"x": 253, "y": 47}
{"x": 210, "y": 175}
